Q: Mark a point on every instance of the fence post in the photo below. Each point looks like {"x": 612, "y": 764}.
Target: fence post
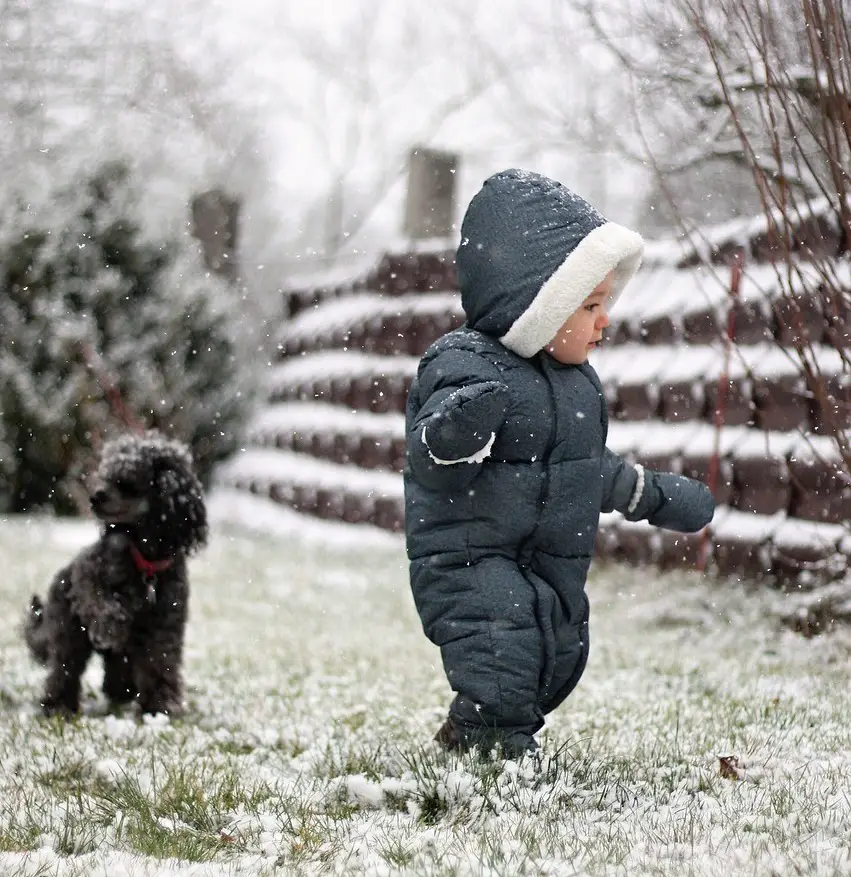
{"x": 430, "y": 204}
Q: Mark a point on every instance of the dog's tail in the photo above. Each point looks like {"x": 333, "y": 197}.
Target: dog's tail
{"x": 34, "y": 632}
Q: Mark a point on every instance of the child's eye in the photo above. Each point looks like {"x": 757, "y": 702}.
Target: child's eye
{"x": 591, "y": 307}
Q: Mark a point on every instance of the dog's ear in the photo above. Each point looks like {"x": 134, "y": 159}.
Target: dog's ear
{"x": 166, "y": 482}
{"x": 183, "y": 497}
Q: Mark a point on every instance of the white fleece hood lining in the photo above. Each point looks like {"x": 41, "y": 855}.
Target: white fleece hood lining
{"x": 609, "y": 247}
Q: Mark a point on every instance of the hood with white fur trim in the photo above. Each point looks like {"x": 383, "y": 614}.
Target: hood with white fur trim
{"x": 531, "y": 252}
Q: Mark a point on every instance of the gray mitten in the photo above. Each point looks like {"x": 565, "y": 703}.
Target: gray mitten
{"x": 466, "y": 421}
{"x": 687, "y": 505}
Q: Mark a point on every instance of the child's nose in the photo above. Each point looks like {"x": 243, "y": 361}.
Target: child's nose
{"x": 603, "y": 319}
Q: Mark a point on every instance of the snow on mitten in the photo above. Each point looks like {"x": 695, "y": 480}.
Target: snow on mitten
{"x": 467, "y": 422}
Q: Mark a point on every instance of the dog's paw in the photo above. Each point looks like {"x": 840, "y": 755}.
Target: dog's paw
{"x": 59, "y": 710}
{"x": 163, "y": 711}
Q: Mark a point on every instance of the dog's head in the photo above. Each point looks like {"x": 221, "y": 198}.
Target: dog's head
{"x": 148, "y": 483}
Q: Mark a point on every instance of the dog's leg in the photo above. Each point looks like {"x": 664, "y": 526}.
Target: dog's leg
{"x": 118, "y": 685}
{"x": 158, "y": 669}
{"x": 67, "y": 649}
{"x": 159, "y": 680}
{"x": 56, "y": 638}
{"x": 68, "y": 659}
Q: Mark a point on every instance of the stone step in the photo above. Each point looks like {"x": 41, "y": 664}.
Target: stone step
{"x": 814, "y": 229}
{"x": 660, "y": 306}
{"x": 665, "y": 304}
{"x": 317, "y": 487}
{"x": 367, "y": 382}
{"x": 328, "y": 432}
{"x": 671, "y": 385}
{"x": 373, "y": 323}
{"x": 396, "y": 274}
{"x": 759, "y": 472}
{"x": 785, "y": 551}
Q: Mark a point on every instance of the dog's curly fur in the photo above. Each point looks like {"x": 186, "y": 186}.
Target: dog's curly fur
{"x": 151, "y": 508}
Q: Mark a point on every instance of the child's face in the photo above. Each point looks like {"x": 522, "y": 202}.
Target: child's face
{"x": 584, "y": 328}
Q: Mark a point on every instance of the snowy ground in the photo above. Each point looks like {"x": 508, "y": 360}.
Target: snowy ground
{"x": 313, "y": 696}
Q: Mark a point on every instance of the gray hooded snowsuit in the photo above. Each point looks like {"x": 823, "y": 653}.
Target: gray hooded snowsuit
{"x": 507, "y": 468}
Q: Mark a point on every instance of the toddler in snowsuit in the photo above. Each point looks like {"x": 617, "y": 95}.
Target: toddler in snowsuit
{"x": 507, "y": 466}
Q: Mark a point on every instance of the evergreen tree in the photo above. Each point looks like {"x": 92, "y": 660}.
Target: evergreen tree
{"x": 104, "y": 325}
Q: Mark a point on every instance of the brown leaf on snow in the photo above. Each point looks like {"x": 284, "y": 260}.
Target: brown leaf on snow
{"x": 730, "y": 767}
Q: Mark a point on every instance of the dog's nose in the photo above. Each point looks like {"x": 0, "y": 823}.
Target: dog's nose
{"x": 98, "y": 498}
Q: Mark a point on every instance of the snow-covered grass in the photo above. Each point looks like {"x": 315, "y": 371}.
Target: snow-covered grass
{"x": 313, "y": 696}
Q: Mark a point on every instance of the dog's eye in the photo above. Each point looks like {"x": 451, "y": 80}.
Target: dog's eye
{"x": 127, "y": 488}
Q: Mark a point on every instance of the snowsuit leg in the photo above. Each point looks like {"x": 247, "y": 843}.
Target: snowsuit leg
{"x": 484, "y": 616}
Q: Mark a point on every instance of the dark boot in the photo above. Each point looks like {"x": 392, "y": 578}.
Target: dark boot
{"x": 510, "y": 744}
{"x": 448, "y": 736}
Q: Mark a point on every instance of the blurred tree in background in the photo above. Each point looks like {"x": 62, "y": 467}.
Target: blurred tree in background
{"x": 103, "y": 327}
{"x": 107, "y": 133}
{"x": 732, "y": 105}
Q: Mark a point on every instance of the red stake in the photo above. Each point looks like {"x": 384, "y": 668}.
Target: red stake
{"x": 721, "y": 401}
{"x": 110, "y": 388}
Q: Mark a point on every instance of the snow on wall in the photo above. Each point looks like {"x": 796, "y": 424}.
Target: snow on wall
{"x": 295, "y": 416}
{"x": 704, "y": 245}
{"x": 624, "y": 364}
{"x": 269, "y": 466}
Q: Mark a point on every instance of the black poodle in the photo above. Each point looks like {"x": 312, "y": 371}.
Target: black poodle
{"x": 126, "y": 597}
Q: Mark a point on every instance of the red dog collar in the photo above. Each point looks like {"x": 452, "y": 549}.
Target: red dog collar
{"x": 149, "y": 569}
